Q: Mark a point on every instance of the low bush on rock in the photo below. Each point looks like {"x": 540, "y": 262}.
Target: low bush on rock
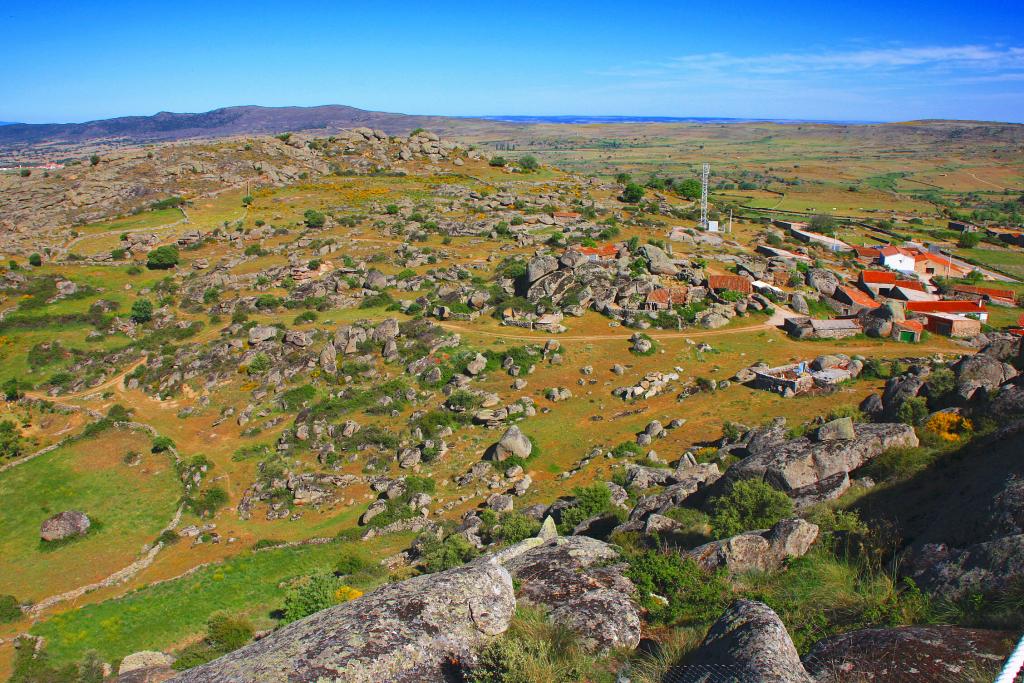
{"x": 749, "y": 505}
{"x": 224, "y": 634}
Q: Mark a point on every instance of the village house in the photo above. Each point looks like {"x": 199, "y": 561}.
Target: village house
{"x": 952, "y": 325}
{"x": 963, "y": 309}
{"x": 910, "y": 293}
{"x": 853, "y": 301}
{"x": 664, "y": 298}
{"x": 907, "y": 330}
{"x": 998, "y": 296}
{"x": 830, "y": 243}
{"x": 798, "y": 378}
{"x": 735, "y": 283}
{"x": 803, "y": 327}
{"x": 604, "y": 252}
{"x": 897, "y": 258}
{"x": 881, "y": 282}
{"x": 962, "y": 226}
{"x": 938, "y": 265}
{"x": 868, "y": 254}
{"x": 1012, "y": 236}
{"x": 565, "y": 217}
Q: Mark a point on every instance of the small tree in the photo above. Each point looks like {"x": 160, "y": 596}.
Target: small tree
{"x": 9, "y": 609}
{"x": 25, "y": 172}
{"x": 529, "y": 163}
{"x": 10, "y": 440}
{"x": 12, "y": 389}
{"x": 94, "y": 160}
{"x": 247, "y": 200}
{"x": 497, "y": 161}
{"x": 823, "y": 223}
{"x": 968, "y": 240}
{"x": 162, "y": 258}
{"x": 35, "y": 260}
{"x": 689, "y": 188}
{"x": 142, "y": 311}
{"x": 633, "y": 193}
{"x": 314, "y": 219}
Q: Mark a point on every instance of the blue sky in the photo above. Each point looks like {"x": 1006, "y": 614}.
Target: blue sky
{"x": 77, "y": 61}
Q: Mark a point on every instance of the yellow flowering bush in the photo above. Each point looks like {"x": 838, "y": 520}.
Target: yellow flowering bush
{"x": 346, "y": 593}
{"x": 949, "y": 426}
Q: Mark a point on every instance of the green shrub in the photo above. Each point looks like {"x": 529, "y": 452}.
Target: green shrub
{"x": 224, "y": 634}
{"x": 162, "y": 443}
{"x": 899, "y": 463}
{"x": 750, "y": 504}
{"x": 310, "y": 595}
{"x": 913, "y": 411}
{"x": 162, "y": 258}
{"x": 534, "y": 649}
{"x": 207, "y": 502}
{"x": 9, "y": 609}
{"x": 11, "y": 443}
{"x": 142, "y": 310}
{"x": 515, "y": 527}
{"x": 453, "y": 551}
{"x": 693, "y": 596}
{"x": 314, "y": 219}
{"x": 588, "y": 502}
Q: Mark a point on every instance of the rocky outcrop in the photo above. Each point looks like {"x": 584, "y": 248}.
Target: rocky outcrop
{"x": 748, "y": 643}
{"x": 801, "y": 462}
{"x": 981, "y": 371}
{"x": 581, "y": 581}
{"x": 688, "y": 481}
{"x": 417, "y": 630}
{"x": 924, "y": 653}
{"x": 984, "y": 567}
{"x": 764, "y": 550}
{"x": 64, "y": 525}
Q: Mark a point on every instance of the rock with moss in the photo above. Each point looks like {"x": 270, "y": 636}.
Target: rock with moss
{"x": 581, "y": 581}
{"x": 418, "y": 630}
{"x": 763, "y": 550}
{"x": 925, "y": 653}
{"x": 749, "y": 642}
{"x": 803, "y": 461}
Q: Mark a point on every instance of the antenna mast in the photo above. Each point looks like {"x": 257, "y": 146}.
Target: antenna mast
{"x": 705, "y": 172}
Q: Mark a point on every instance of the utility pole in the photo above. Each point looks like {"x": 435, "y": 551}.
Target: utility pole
{"x": 704, "y": 174}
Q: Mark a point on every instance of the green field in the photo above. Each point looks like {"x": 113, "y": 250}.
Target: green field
{"x": 130, "y": 505}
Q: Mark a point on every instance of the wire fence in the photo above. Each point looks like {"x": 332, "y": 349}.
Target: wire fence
{"x": 890, "y": 666}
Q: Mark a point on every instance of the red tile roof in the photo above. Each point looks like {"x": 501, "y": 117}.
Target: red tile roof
{"x": 915, "y": 325}
{"x": 946, "y": 307}
{"x": 603, "y": 251}
{"x": 737, "y": 283}
{"x": 881, "y": 277}
{"x": 859, "y": 297}
{"x": 659, "y": 296}
{"x": 867, "y": 252}
{"x": 911, "y": 284}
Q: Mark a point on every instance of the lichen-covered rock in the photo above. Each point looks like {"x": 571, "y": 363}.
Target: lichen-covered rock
{"x": 802, "y": 462}
{"x": 748, "y": 643}
{"x": 688, "y": 481}
{"x": 954, "y": 573}
{"x": 757, "y": 550}
{"x": 581, "y": 582}
{"x": 144, "y": 660}
{"x": 981, "y": 371}
{"x": 925, "y": 653}
{"x": 65, "y": 525}
{"x": 513, "y": 443}
{"x": 413, "y": 631}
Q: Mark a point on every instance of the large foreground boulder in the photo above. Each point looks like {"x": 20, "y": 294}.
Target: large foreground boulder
{"x": 907, "y": 653}
{"x": 757, "y": 550}
{"x": 419, "y": 630}
{"x": 801, "y": 462}
{"x": 748, "y": 643}
{"x": 67, "y": 524}
{"x": 581, "y": 581}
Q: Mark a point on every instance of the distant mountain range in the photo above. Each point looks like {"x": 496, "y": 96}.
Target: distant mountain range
{"x": 652, "y": 119}
{"x": 247, "y": 120}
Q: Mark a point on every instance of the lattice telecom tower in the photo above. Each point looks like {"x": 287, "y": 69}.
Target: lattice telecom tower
{"x": 705, "y": 172}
